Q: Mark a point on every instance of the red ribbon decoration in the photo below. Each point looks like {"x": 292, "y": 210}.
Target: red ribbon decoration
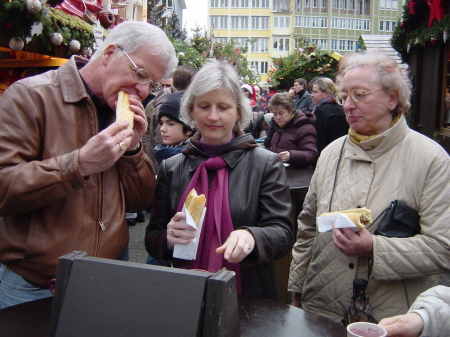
{"x": 437, "y": 10}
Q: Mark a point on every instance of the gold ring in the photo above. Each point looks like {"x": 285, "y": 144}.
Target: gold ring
{"x": 122, "y": 146}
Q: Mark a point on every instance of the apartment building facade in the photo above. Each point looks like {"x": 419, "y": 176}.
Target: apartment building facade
{"x": 274, "y": 26}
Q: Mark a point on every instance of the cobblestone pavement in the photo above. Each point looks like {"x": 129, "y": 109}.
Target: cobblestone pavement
{"x": 136, "y": 245}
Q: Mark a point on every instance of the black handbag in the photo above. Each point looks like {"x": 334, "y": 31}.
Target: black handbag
{"x": 399, "y": 221}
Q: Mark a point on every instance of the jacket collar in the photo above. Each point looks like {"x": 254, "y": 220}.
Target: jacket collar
{"x": 378, "y": 145}
{"x": 232, "y": 152}
{"x": 72, "y": 86}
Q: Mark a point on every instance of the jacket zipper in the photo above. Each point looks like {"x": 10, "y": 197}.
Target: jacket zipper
{"x": 100, "y": 221}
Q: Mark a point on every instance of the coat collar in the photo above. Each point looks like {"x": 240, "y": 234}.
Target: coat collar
{"x": 232, "y": 152}
{"x": 378, "y": 145}
{"x": 72, "y": 86}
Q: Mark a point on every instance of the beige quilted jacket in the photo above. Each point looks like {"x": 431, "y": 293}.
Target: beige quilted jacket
{"x": 398, "y": 164}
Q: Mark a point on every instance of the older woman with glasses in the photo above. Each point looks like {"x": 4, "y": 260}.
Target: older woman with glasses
{"x": 291, "y": 133}
{"x": 247, "y": 222}
{"x": 380, "y": 160}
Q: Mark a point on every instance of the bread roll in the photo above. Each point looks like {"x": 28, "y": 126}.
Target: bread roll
{"x": 194, "y": 204}
{"x": 361, "y": 217}
{"x": 123, "y": 111}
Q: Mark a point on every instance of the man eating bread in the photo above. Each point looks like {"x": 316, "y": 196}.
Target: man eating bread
{"x": 69, "y": 170}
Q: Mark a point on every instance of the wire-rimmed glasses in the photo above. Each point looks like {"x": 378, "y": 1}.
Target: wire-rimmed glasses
{"x": 357, "y": 95}
{"x": 142, "y": 76}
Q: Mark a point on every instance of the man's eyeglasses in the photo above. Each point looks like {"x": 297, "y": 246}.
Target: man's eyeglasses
{"x": 142, "y": 76}
{"x": 357, "y": 95}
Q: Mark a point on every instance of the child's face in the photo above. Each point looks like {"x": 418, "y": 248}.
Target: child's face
{"x": 171, "y": 131}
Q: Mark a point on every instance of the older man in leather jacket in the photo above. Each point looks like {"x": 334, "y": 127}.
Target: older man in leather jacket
{"x": 68, "y": 170}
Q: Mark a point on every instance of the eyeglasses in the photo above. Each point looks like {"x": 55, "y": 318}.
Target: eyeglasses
{"x": 142, "y": 76}
{"x": 357, "y": 95}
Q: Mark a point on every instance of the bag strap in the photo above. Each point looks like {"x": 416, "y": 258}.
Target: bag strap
{"x": 391, "y": 204}
{"x": 335, "y": 174}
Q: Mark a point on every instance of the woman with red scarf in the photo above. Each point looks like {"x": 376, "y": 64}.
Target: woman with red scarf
{"x": 247, "y": 222}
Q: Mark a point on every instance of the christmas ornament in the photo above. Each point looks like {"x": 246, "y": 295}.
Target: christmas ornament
{"x": 74, "y": 46}
{"x": 56, "y": 39}
{"x": 16, "y": 44}
{"x": 433, "y": 40}
{"x": 106, "y": 18}
{"x": 86, "y": 51}
{"x": 445, "y": 35}
{"x": 33, "y": 6}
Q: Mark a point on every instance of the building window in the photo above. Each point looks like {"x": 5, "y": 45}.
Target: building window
{"x": 343, "y": 23}
{"x": 351, "y": 24}
{"x": 214, "y": 3}
{"x": 358, "y": 24}
{"x": 350, "y": 45}
{"x": 334, "y": 44}
{"x": 323, "y": 44}
{"x": 260, "y": 22}
{"x": 219, "y": 22}
{"x": 315, "y": 42}
{"x": 280, "y": 5}
{"x": 298, "y": 5}
{"x": 264, "y": 67}
{"x": 315, "y": 22}
{"x": 324, "y": 22}
{"x": 280, "y": 44}
{"x": 366, "y": 24}
{"x": 389, "y": 4}
{"x": 334, "y": 23}
{"x": 297, "y": 21}
{"x": 381, "y": 25}
{"x": 255, "y": 3}
{"x": 306, "y": 21}
{"x": 281, "y": 21}
{"x": 224, "y": 3}
{"x": 342, "y": 45}
{"x": 260, "y": 45}
{"x": 264, "y": 3}
{"x": 239, "y": 41}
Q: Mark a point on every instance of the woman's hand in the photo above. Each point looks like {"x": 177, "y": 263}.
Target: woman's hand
{"x": 351, "y": 243}
{"x": 239, "y": 244}
{"x": 285, "y": 156}
{"x": 409, "y": 325}
{"x": 179, "y": 231}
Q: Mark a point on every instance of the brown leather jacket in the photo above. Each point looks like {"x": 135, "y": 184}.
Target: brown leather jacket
{"x": 47, "y": 209}
{"x": 259, "y": 201}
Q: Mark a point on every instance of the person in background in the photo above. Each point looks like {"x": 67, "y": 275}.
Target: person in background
{"x": 260, "y": 97}
{"x": 68, "y": 170}
{"x": 291, "y": 133}
{"x": 175, "y": 133}
{"x": 330, "y": 121}
{"x": 375, "y": 164}
{"x": 181, "y": 79}
{"x": 166, "y": 84}
{"x": 292, "y": 92}
{"x": 247, "y": 221}
{"x": 250, "y": 93}
{"x": 429, "y": 315}
{"x": 302, "y": 100}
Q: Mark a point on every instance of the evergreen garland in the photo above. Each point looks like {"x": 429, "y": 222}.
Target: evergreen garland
{"x": 16, "y": 21}
{"x": 413, "y": 30}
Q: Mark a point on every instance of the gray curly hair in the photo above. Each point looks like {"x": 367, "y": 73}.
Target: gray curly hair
{"x": 392, "y": 76}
